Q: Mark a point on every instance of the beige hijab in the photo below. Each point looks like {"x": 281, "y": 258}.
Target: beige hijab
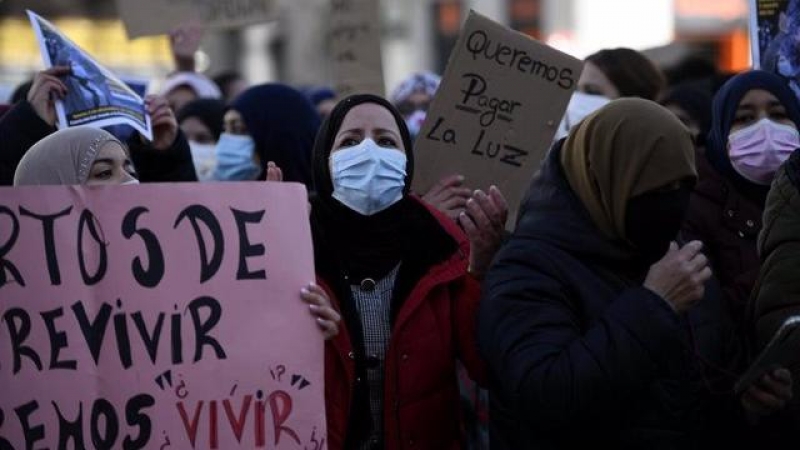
{"x": 627, "y": 148}
{"x": 64, "y": 157}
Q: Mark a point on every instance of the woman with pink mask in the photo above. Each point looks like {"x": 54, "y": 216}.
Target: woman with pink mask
{"x": 754, "y": 126}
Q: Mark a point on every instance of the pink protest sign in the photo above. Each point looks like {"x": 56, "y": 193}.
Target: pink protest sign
{"x": 158, "y": 317}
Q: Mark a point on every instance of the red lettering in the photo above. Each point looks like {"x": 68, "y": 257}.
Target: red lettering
{"x": 280, "y": 404}
{"x": 191, "y": 428}
{"x": 237, "y": 423}
{"x": 260, "y": 425}
{"x": 213, "y": 435}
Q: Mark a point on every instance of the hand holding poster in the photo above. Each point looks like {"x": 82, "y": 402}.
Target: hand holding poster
{"x": 502, "y": 97}
{"x": 158, "y": 316}
{"x": 355, "y": 37}
{"x": 155, "y": 17}
{"x": 775, "y": 38}
{"x": 94, "y": 95}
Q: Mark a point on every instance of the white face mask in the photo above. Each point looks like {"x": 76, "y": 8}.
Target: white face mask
{"x": 579, "y": 107}
{"x": 130, "y": 182}
{"x": 205, "y": 160}
{"x": 368, "y": 178}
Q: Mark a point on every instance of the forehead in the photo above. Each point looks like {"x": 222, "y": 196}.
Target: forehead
{"x": 758, "y": 98}
{"x": 112, "y": 150}
{"x": 592, "y": 73}
{"x": 232, "y": 116}
{"x": 368, "y": 116}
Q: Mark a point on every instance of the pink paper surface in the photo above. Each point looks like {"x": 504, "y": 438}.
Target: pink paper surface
{"x": 265, "y": 391}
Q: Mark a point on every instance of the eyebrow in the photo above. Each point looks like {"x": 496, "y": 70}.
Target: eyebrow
{"x": 359, "y": 131}
{"x": 770, "y": 104}
{"x": 111, "y": 161}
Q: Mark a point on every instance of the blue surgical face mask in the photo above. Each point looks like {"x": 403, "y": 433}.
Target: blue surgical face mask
{"x": 235, "y": 162}
{"x": 368, "y": 178}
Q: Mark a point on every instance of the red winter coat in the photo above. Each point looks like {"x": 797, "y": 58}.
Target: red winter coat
{"x": 435, "y": 325}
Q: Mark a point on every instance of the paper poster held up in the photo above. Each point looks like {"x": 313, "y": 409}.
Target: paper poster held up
{"x": 494, "y": 116}
{"x": 775, "y": 39}
{"x": 95, "y": 96}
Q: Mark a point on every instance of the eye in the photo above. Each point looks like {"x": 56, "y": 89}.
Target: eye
{"x": 778, "y": 114}
{"x": 104, "y": 174}
{"x": 348, "y": 142}
{"x": 591, "y": 89}
{"x": 387, "y": 142}
{"x": 743, "y": 118}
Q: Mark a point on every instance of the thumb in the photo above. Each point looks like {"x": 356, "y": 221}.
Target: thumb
{"x": 673, "y": 248}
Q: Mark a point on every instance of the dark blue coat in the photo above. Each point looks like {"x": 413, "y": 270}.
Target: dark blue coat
{"x": 582, "y": 356}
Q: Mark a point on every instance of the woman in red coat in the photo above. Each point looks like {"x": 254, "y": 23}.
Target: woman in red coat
{"x": 404, "y": 278}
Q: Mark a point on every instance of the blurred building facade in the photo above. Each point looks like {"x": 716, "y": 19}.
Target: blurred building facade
{"x": 417, "y": 35}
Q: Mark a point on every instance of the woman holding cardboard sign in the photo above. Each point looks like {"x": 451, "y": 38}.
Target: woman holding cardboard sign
{"x": 405, "y": 279}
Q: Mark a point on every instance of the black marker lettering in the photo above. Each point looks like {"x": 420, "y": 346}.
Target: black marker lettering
{"x": 247, "y": 249}
{"x": 48, "y": 228}
{"x": 153, "y": 275}
{"x": 202, "y": 328}
{"x": 197, "y": 214}
{"x": 6, "y": 265}
{"x": 58, "y": 340}
{"x": 19, "y": 327}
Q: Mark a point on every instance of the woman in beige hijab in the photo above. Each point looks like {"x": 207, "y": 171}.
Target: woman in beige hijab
{"x": 81, "y": 155}
{"x": 595, "y": 324}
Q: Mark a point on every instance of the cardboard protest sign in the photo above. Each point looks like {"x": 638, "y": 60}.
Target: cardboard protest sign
{"x": 355, "y": 39}
{"x": 95, "y": 96}
{"x": 158, "y": 316}
{"x": 502, "y": 97}
{"x": 775, "y": 38}
{"x": 155, "y": 17}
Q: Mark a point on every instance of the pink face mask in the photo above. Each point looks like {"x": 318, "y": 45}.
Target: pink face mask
{"x": 758, "y": 150}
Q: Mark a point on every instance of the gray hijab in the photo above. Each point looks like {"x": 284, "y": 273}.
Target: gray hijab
{"x": 63, "y": 158}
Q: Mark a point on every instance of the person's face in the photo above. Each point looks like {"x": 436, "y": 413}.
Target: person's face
{"x": 325, "y": 107}
{"x": 683, "y": 116}
{"x": 111, "y": 167}
{"x": 233, "y": 123}
{"x": 180, "y": 96}
{"x": 368, "y": 120}
{"x": 759, "y": 104}
{"x": 594, "y": 82}
{"x": 196, "y": 131}
{"x": 418, "y": 101}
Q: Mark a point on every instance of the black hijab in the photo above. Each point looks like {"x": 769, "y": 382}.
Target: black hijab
{"x": 360, "y": 246}
{"x": 283, "y": 124}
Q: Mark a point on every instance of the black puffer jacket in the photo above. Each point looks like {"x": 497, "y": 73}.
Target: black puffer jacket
{"x": 582, "y": 356}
